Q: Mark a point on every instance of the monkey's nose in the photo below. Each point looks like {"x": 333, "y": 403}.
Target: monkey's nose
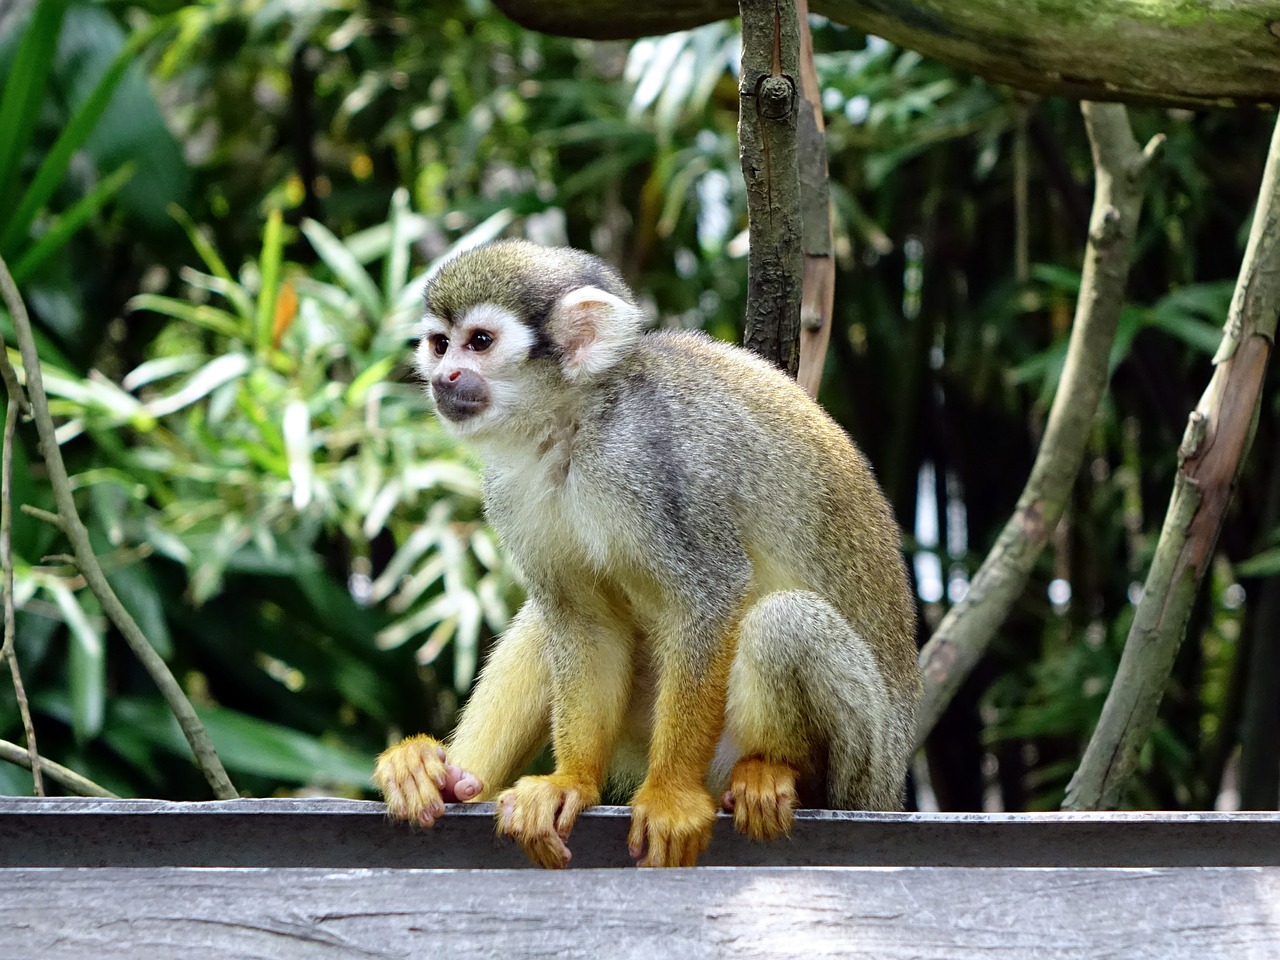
{"x": 460, "y": 394}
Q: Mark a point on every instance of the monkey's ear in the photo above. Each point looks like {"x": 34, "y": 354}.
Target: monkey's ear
{"x": 593, "y": 329}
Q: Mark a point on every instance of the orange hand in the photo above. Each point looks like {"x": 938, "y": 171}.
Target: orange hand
{"x": 417, "y": 780}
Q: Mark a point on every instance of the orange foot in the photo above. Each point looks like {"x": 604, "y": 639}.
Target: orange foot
{"x": 539, "y": 812}
{"x": 670, "y": 826}
{"x": 762, "y": 795}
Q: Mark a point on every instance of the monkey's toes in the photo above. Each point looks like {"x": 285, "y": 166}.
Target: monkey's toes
{"x": 763, "y": 797}
{"x": 670, "y": 827}
{"x": 416, "y": 780}
{"x": 539, "y": 814}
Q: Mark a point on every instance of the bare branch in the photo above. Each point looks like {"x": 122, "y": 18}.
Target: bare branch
{"x": 9, "y": 650}
{"x": 968, "y": 627}
{"x": 817, "y": 301}
{"x": 1217, "y": 437}
{"x": 54, "y": 771}
{"x": 86, "y": 561}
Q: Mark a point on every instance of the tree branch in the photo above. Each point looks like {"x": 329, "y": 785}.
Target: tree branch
{"x": 768, "y": 100}
{"x": 968, "y": 627}
{"x": 1217, "y": 437}
{"x": 201, "y": 746}
{"x": 1210, "y": 53}
{"x": 55, "y": 771}
{"x": 9, "y": 650}
{"x": 817, "y": 301}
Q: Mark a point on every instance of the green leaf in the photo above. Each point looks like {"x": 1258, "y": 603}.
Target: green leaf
{"x": 86, "y": 663}
{"x": 75, "y": 217}
{"x": 54, "y": 165}
{"x": 269, "y": 271}
{"x": 200, "y": 384}
{"x": 345, "y": 267}
{"x": 249, "y": 745}
{"x": 136, "y": 587}
{"x": 25, "y": 89}
{"x": 201, "y": 315}
{"x": 1265, "y": 564}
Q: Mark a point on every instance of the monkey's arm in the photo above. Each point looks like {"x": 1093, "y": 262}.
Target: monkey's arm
{"x": 590, "y": 667}
{"x": 503, "y": 724}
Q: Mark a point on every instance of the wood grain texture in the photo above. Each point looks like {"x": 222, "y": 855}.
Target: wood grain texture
{"x": 880, "y": 913}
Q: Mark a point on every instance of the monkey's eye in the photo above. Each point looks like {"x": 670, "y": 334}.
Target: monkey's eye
{"x": 439, "y": 344}
{"x": 480, "y": 341}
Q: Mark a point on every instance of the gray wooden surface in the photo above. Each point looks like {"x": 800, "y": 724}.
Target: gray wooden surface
{"x": 347, "y": 833}
{"x": 886, "y": 913}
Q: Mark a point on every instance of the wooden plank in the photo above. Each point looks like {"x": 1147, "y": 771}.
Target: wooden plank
{"x": 349, "y": 833}
{"x": 928, "y": 913}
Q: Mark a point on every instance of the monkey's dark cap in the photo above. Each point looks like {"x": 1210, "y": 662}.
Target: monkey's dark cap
{"x": 519, "y": 276}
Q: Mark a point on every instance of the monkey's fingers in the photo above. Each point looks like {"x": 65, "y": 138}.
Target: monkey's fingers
{"x": 539, "y": 813}
{"x": 412, "y": 776}
{"x": 670, "y": 827}
{"x": 763, "y": 797}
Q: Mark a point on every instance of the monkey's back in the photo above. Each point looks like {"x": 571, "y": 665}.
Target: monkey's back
{"x": 802, "y": 497}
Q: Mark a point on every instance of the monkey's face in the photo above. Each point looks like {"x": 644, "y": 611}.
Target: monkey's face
{"x": 475, "y": 365}
{"x": 512, "y": 329}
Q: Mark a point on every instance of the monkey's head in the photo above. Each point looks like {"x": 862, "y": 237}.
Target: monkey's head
{"x": 510, "y": 324}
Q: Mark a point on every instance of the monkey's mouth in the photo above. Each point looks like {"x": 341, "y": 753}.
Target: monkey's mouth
{"x": 459, "y": 409}
{"x": 460, "y": 397}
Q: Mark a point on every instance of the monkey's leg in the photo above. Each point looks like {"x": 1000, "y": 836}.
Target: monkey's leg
{"x": 806, "y": 693}
{"x": 672, "y": 813}
{"x": 591, "y": 679}
{"x": 503, "y": 724}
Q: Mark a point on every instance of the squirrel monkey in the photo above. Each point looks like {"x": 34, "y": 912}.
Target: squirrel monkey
{"x": 717, "y": 599}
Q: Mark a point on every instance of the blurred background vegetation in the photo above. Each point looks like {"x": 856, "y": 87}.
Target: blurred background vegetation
{"x": 220, "y": 215}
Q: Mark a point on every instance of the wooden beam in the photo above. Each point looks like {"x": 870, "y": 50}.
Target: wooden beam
{"x": 927, "y": 913}
{"x": 321, "y": 833}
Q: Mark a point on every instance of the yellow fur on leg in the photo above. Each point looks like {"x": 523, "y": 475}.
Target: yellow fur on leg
{"x": 763, "y": 797}
{"x": 539, "y": 813}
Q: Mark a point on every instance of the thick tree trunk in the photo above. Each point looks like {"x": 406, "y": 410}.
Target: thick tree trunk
{"x": 1212, "y": 52}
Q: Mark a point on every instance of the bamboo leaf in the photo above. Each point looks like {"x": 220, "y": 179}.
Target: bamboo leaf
{"x": 269, "y": 272}
{"x": 86, "y": 667}
{"x": 75, "y": 217}
{"x": 199, "y": 314}
{"x": 200, "y": 384}
{"x": 53, "y": 167}
{"x": 25, "y": 89}
{"x": 345, "y": 267}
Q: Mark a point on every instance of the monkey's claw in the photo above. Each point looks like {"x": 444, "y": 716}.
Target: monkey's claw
{"x": 763, "y": 798}
{"x": 670, "y": 826}
{"x": 417, "y": 780}
{"x": 539, "y": 813}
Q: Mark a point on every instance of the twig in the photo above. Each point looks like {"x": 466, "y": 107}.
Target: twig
{"x": 9, "y": 650}
{"x": 55, "y": 771}
{"x": 768, "y": 98}
{"x": 201, "y": 746}
{"x": 968, "y": 627}
{"x": 819, "y": 287}
{"x": 1217, "y": 437}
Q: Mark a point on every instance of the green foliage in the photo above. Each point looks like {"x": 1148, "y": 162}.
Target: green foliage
{"x": 274, "y": 502}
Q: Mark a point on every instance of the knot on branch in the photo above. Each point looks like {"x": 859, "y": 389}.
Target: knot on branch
{"x": 776, "y": 97}
{"x": 1193, "y": 436}
{"x": 1106, "y": 227}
